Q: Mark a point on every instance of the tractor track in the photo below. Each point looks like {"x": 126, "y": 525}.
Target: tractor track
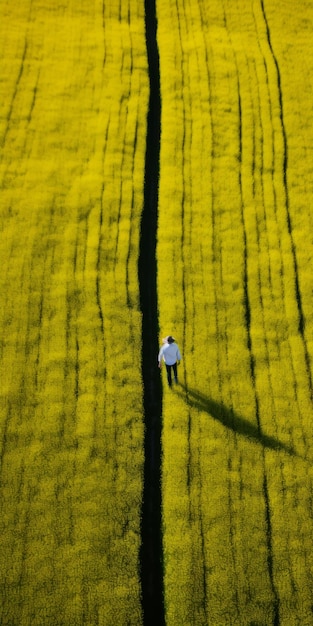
{"x": 151, "y": 530}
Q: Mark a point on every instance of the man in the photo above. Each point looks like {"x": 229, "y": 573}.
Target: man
{"x": 170, "y": 354}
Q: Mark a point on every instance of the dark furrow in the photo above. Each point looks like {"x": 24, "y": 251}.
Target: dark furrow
{"x": 254, "y": 150}
{"x": 183, "y": 183}
{"x": 39, "y": 326}
{"x": 103, "y": 14}
{"x": 285, "y": 162}
{"x": 128, "y": 258}
{"x": 212, "y": 212}
{"x": 245, "y": 251}
{"x": 18, "y": 80}
{"x": 5, "y": 429}
{"x": 232, "y": 534}
{"x": 151, "y": 520}
{"x": 85, "y": 243}
{"x": 73, "y": 305}
{"x": 77, "y": 368}
{"x": 276, "y": 602}
{"x": 130, "y": 70}
{"x": 264, "y": 216}
{"x": 270, "y": 270}
{"x": 98, "y": 280}
{"x": 301, "y": 326}
{"x": 247, "y": 307}
{"x": 280, "y": 98}
{"x": 103, "y": 28}
{"x": 258, "y": 228}
{"x": 123, "y": 107}
{"x": 33, "y": 102}
{"x": 183, "y": 340}
{"x": 30, "y": 113}
{"x": 119, "y": 210}
{"x": 191, "y": 462}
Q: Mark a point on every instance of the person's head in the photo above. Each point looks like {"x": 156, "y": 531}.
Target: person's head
{"x": 170, "y": 339}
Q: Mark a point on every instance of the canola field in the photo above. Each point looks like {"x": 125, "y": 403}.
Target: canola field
{"x": 73, "y": 143}
{"x": 234, "y": 286}
{"x": 235, "y": 248}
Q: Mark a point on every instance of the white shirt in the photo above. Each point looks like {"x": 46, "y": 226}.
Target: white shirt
{"x": 170, "y": 353}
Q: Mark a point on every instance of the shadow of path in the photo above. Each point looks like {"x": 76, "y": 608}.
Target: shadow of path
{"x": 230, "y": 419}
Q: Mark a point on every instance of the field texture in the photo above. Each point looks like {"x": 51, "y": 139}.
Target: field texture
{"x": 235, "y": 288}
{"x": 73, "y": 127}
{"x": 233, "y": 283}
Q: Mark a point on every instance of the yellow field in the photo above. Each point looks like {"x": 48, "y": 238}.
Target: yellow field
{"x": 234, "y": 286}
{"x": 73, "y": 140}
{"x": 235, "y": 245}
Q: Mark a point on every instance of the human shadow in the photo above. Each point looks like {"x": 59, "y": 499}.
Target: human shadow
{"x": 230, "y": 419}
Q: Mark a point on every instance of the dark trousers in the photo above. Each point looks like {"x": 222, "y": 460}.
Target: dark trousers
{"x": 169, "y": 369}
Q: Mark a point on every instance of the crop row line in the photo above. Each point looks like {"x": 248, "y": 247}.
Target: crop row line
{"x": 235, "y": 314}
{"x": 247, "y": 306}
{"x": 121, "y": 221}
{"x": 72, "y": 173}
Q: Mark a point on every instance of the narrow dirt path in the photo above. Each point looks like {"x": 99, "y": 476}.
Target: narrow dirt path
{"x": 151, "y": 553}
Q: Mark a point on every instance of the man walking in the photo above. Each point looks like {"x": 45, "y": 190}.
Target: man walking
{"x": 170, "y": 354}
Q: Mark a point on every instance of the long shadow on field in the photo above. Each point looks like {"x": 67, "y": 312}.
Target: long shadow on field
{"x": 230, "y": 419}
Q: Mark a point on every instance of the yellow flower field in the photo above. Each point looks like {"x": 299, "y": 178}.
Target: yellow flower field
{"x": 73, "y": 141}
{"x": 234, "y": 247}
{"x": 81, "y": 406}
